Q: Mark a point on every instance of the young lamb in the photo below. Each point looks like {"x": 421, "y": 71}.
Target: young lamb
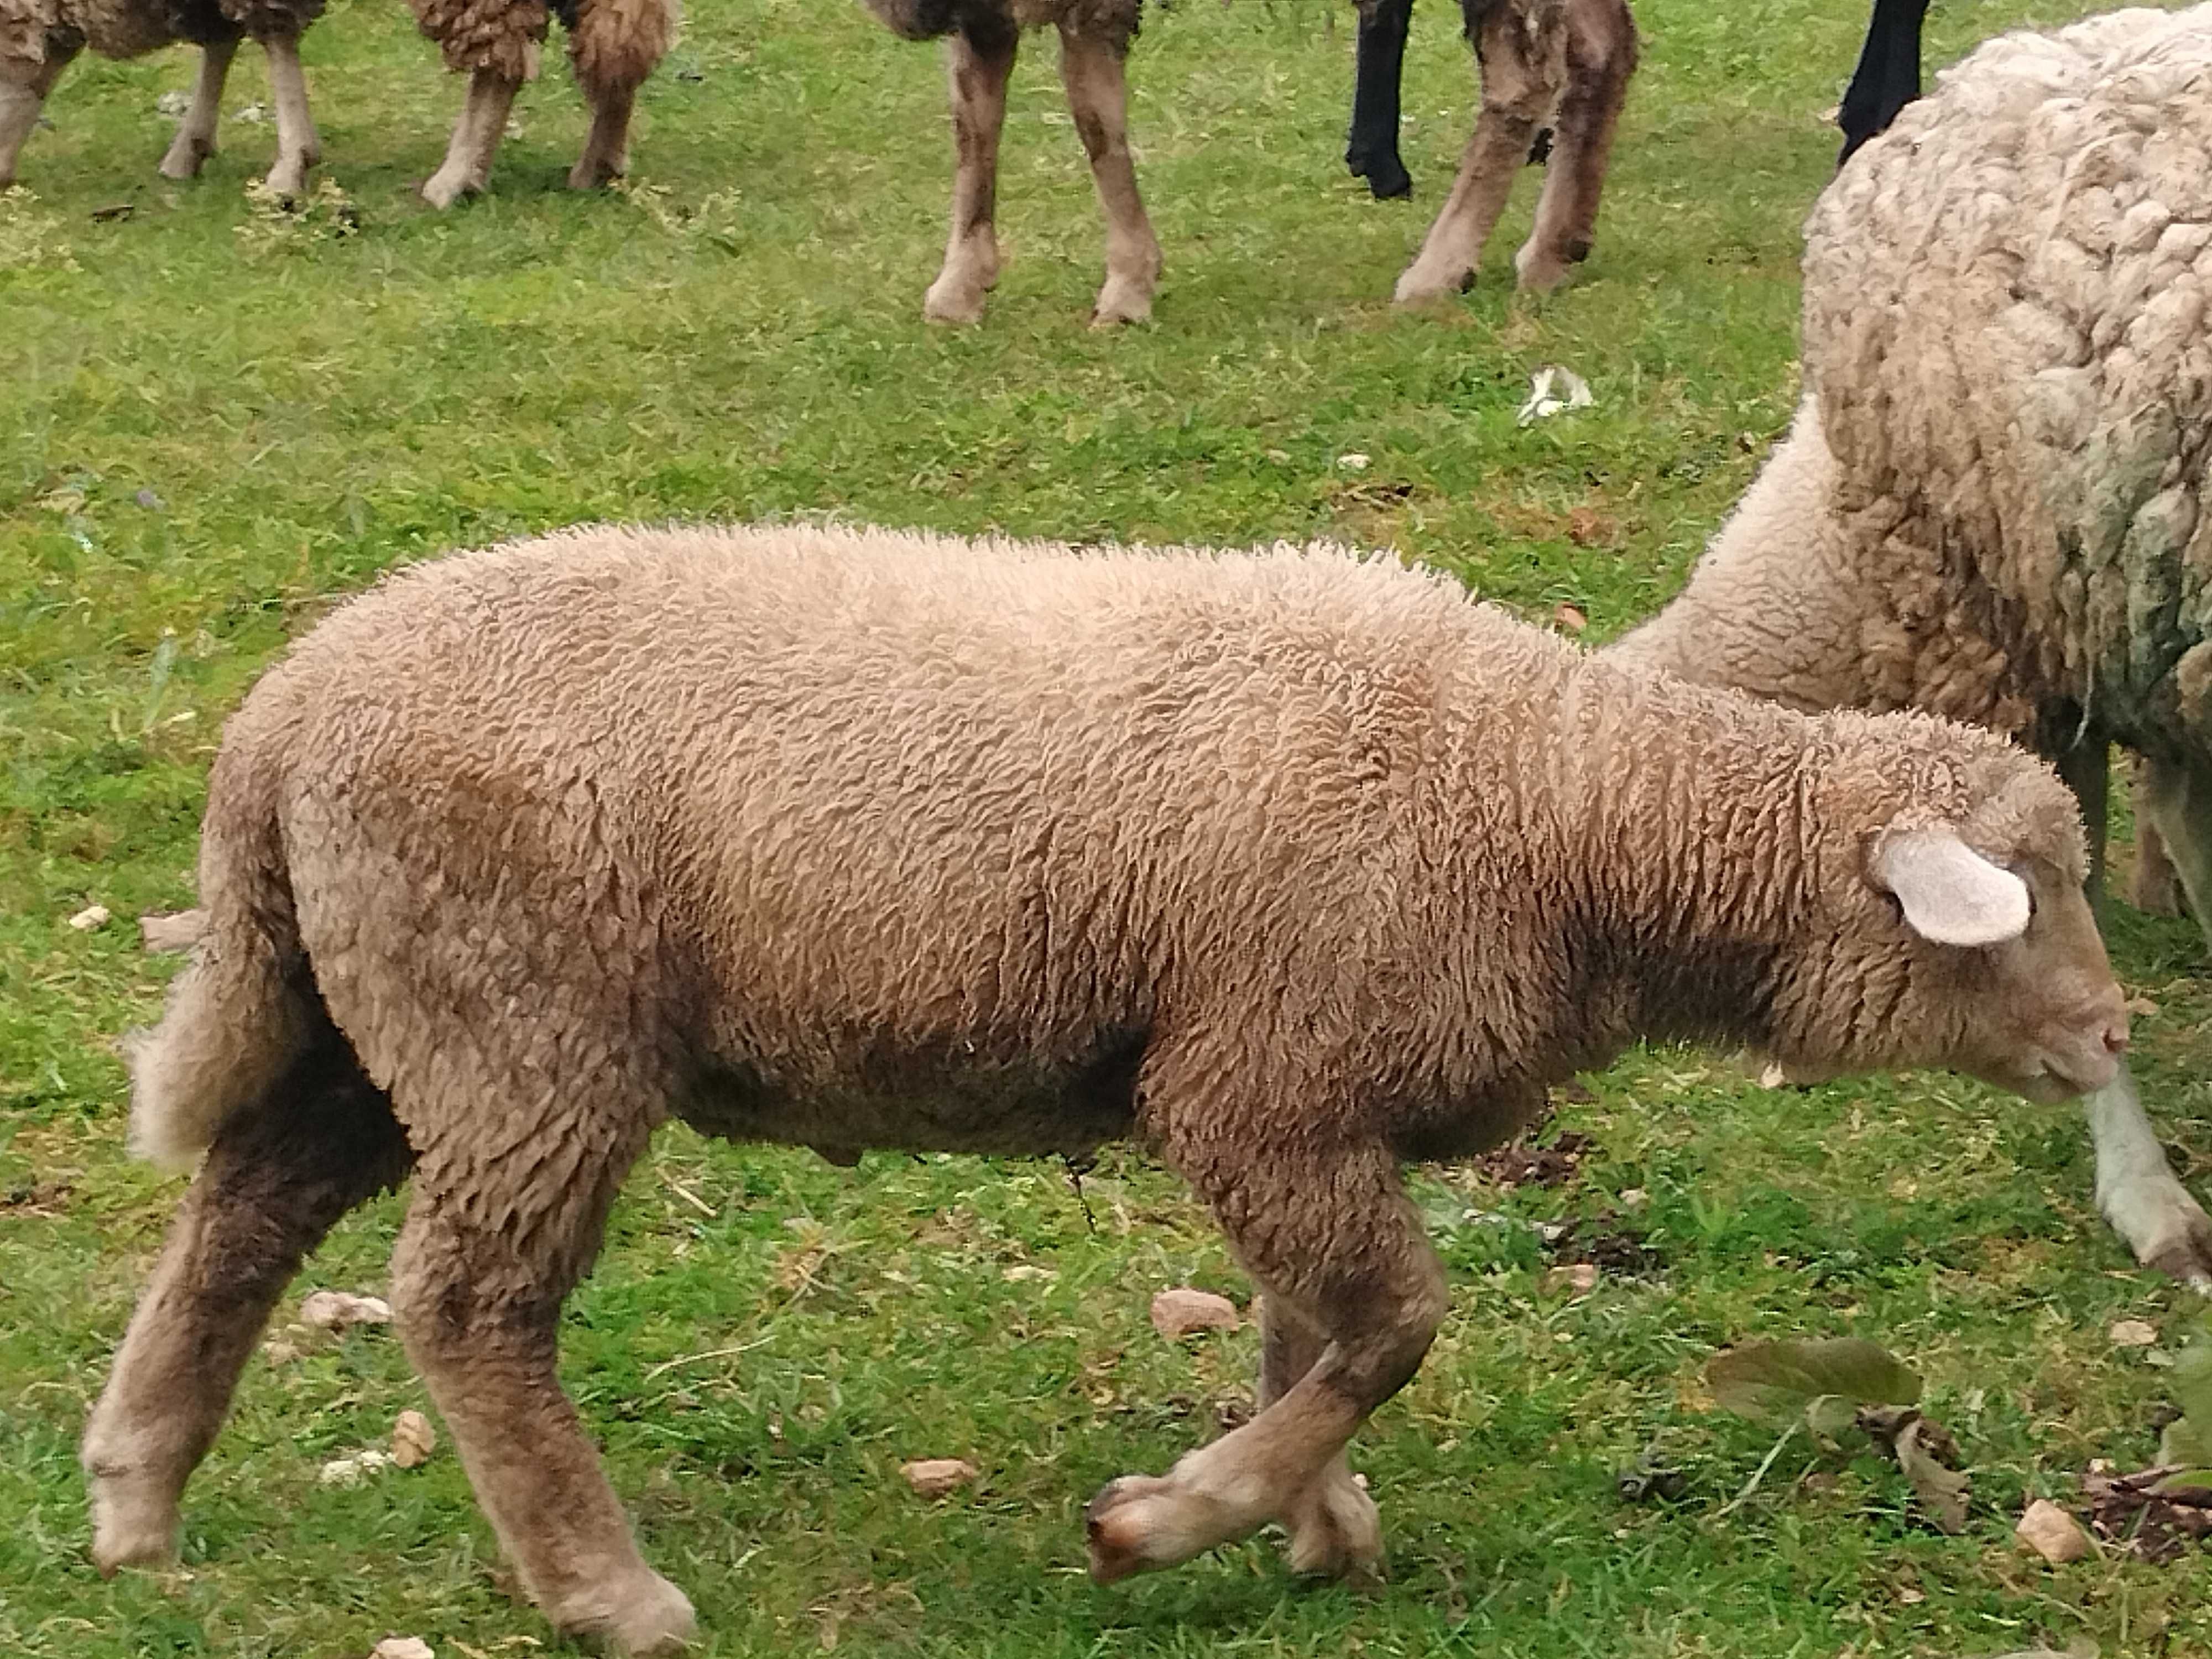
{"x": 981, "y": 40}
{"x": 1290, "y": 865}
{"x": 38, "y": 38}
{"x": 613, "y": 46}
{"x": 1992, "y": 505}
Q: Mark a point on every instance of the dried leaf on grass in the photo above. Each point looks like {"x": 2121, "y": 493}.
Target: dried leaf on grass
{"x": 1524, "y": 1163}
{"x": 339, "y": 1311}
{"x": 413, "y": 1440}
{"x": 2154, "y": 1513}
{"x": 934, "y": 1477}
{"x": 2051, "y": 1532}
{"x": 1780, "y": 1384}
{"x": 1182, "y": 1311}
{"x": 1926, "y": 1452}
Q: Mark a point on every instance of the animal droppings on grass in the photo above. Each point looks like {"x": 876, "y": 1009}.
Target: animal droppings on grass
{"x": 339, "y": 1310}
{"x": 1522, "y": 1163}
{"x": 1354, "y": 461}
{"x": 2051, "y": 1532}
{"x": 413, "y": 1440}
{"x": 934, "y": 1477}
{"x": 2133, "y": 1333}
{"x": 1183, "y": 1312}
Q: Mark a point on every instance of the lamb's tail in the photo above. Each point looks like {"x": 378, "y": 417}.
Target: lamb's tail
{"x": 246, "y": 1009}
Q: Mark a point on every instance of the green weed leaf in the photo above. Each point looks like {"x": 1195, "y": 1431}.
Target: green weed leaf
{"x": 1775, "y": 1382}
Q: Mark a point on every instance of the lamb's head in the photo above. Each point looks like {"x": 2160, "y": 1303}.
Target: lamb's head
{"x": 1950, "y": 928}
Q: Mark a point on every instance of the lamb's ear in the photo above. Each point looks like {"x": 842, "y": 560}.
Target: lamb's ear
{"x": 1950, "y": 893}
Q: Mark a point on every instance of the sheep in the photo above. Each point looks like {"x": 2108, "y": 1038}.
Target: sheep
{"x": 613, "y": 46}
{"x": 38, "y": 39}
{"x": 1567, "y": 62}
{"x": 980, "y": 40}
{"x": 1990, "y": 504}
{"x": 1290, "y": 865}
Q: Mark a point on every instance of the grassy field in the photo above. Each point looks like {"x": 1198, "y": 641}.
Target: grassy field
{"x": 217, "y": 420}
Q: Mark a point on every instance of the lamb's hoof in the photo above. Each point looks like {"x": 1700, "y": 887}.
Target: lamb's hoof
{"x": 448, "y": 185}
{"x": 648, "y": 1618}
{"x": 2166, "y": 1228}
{"x": 597, "y": 172}
{"x": 133, "y": 1525}
{"x": 1336, "y": 1532}
{"x": 1423, "y": 287}
{"x": 1541, "y": 270}
{"x": 1141, "y": 1523}
{"x": 1124, "y": 300}
{"x": 185, "y": 160}
{"x": 288, "y": 180}
{"x": 956, "y": 304}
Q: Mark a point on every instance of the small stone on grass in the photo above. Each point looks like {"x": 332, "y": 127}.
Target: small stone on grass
{"x": 2134, "y": 1334}
{"x": 934, "y": 1477}
{"x": 339, "y": 1311}
{"x": 2051, "y": 1532}
{"x": 413, "y": 1440}
{"x": 1182, "y": 1311}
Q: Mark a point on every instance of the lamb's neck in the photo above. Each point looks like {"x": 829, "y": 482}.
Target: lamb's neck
{"x": 1698, "y": 852}
{"x": 1772, "y": 607}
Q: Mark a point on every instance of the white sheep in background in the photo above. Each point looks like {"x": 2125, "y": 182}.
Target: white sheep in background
{"x": 1290, "y": 865}
{"x": 1993, "y": 504}
{"x": 38, "y": 39}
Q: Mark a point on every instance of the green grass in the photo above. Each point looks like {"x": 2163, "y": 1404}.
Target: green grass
{"x": 301, "y": 411}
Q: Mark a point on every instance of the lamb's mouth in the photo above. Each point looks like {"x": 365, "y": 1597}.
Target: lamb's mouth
{"x": 2048, "y": 1082}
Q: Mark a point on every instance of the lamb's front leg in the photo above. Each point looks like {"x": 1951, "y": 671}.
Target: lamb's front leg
{"x": 467, "y": 167}
{"x": 1090, "y": 67}
{"x": 1340, "y": 1252}
{"x": 195, "y": 140}
{"x": 298, "y": 148}
{"x": 977, "y": 61}
{"x": 1334, "y": 1528}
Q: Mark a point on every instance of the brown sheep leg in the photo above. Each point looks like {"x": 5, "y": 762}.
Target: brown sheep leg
{"x": 467, "y": 167}
{"x": 23, "y": 89}
{"x": 1334, "y": 1243}
{"x": 274, "y": 1182}
{"x": 615, "y": 46}
{"x": 1521, "y": 69}
{"x": 477, "y": 1280}
{"x": 2154, "y": 889}
{"x": 977, "y": 61}
{"x": 1098, "y": 97}
{"x": 1600, "y": 58}
{"x": 1334, "y": 1529}
{"x": 195, "y": 140}
{"x": 298, "y": 148}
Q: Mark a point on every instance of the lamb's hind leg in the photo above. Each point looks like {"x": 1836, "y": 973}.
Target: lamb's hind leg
{"x": 1091, "y": 68}
{"x": 298, "y": 148}
{"x": 1336, "y": 1247}
{"x": 272, "y": 1184}
{"x": 492, "y": 1245}
{"x": 1521, "y": 48}
{"x": 978, "y": 61}
{"x": 615, "y": 46}
{"x": 196, "y": 134}
{"x": 1334, "y": 1529}
{"x": 467, "y": 165}
{"x": 1600, "y": 58}
{"x": 23, "y": 89}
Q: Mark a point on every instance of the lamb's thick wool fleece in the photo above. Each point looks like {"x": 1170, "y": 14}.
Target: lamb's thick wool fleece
{"x": 852, "y": 838}
{"x": 613, "y": 44}
{"x": 2006, "y": 328}
{"x": 127, "y": 28}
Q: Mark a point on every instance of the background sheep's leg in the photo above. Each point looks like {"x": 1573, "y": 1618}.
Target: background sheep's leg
{"x": 1371, "y": 149}
{"x": 2175, "y": 800}
{"x": 1334, "y": 1526}
{"x": 196, "y": 134}
{"x": 23, "y": 89}
{"x": 1522, "y": 67}
{"x": 1335, "y": 1243}
{"x": 1600, "y": 58}
{"x": 477, "y": 1280}
{"x": 1888, "y": 77}
{"x": 467, "y": 167}
{"x": 1090, "y": 67}
{"x": 2154, "y": 889}
{"x": 298, "y": 148}
{"x": 614, "y": 46}
{"x": 272, "y": 1184}
{"x": 978, "y": 60}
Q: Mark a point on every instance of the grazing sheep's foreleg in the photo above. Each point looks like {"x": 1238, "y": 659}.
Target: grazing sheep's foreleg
{"x": 2138, "y": 1193}
{"x": 467, "y": 167}
{"x": 615, "y": 46}
{"x": 478, "y": 1279}
{"x": 1521, "y": 50}
{"x": 2175, "y": 800}
{"x": 23, "y": 89}
{"x": 1600, "y": 58}
{"x": 1371, "y": 149}
{"x": 298, "y": 148}
{"x": 196, "y": 134}
{"x": 276, "y": 1180}
{"x": 1336, "y": 1248}
{"x": 1091, "y": 68}
{"x": 1334, "y": 1528}
{"x": 978, "y": 59}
